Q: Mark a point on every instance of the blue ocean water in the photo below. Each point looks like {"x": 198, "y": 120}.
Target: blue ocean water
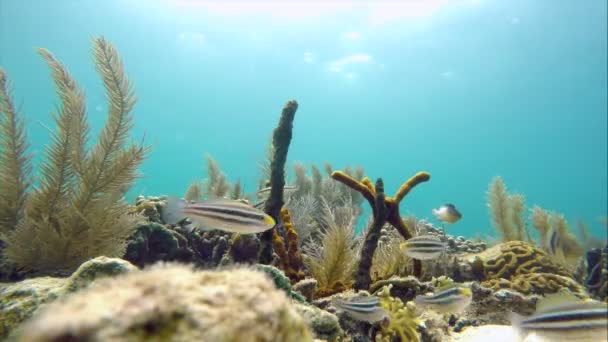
{"x": 464, "y": 89}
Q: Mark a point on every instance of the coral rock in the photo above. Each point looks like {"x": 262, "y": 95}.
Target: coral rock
{"x": 323, "y": 324}
{"x": 307, "y": 287}
{"x": 154, "y": 242}
{"x": 173, "y": 303}
{"x": 20, "y": 300}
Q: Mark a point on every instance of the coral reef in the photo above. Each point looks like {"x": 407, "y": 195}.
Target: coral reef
{"x": 281, "y": 139}
{"x": 385, "y": 209}
{"x": 404, "y": 288}
{"x": 307, "y": 287}
{"x": 171, "y": 302}
{"x": 403, "y": 320}
{"x": 287, "y": 249}
{"x": 245, "y": 249}
{"x": 332, "y": 257}
{"x": 154, "y": 242}
{"x": 494, "y": 306}
{"x": 149, "y": 207}
{"x": 281, "y": 281}
{"x": 21, "y": 300}
{"x": 76, "y": 211}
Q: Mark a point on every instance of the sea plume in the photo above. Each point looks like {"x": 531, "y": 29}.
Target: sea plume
{"x": 77, "y": 210}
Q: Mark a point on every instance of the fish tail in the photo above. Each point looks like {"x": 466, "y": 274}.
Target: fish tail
{"x": 173, "y": 211}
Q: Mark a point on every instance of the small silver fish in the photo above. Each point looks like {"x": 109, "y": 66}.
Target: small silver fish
{"x": 424, "y": 247}
{"x": 266, "y": 190}
{"x": 362, "y": 308}
{"x": 226, "y": 215}
{"x": 452, "y": 300}
{"x": 563, "y": 317}
{"x": 447, "y": 213}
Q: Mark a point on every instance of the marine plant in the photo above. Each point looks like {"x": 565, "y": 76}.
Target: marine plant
{"x": 320, "y": 184}
{"x": 331, "y": 257}
{"x": 385, "y": 210}
{"x": 506, "y": 211}
{"x": 565, "y": 246}
{"x": 76, "y": 211}
{"x": 389, "y": 260}
{"x": 403, "y": 320}
{"x": 304, "y": 216}
{"x": 214, "y": 186}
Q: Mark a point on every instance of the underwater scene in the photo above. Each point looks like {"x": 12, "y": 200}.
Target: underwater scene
{"x": 341, "y": 170}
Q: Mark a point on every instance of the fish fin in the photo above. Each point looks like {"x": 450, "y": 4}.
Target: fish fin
{"x": 552, "y": 301}
{"x": 173, "y": 211}
{"x": 516, "y": 319}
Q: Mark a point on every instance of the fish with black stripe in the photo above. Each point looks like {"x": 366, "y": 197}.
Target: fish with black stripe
{"x": 227, "y": 215}
{"x": 362, "y": 308}
{"x": 452, "y": 300}
{"x": 564, "y": 317}
{"x": 424, "y": 247}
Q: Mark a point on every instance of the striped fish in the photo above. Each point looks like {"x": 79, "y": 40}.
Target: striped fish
{"x": 226, "y": 215}
{"x": 424, "y": 247}
{"x": 452, "y": 300}
{"x": 362, "y": 308}
{"x": 563, "y": 317}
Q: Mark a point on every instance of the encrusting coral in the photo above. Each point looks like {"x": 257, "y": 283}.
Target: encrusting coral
{"x": 288, "y": 249}
{"x": 281, "y": 138}
{"x": 403, "y": 320}
{"x": 173, "y": 303}
{"x": 385, "y": 209}
{"x": 77, "y": 210}
{"x": 536, "y": 283}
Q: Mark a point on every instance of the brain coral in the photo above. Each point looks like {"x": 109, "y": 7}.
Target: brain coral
{"x": 536, "y": 283}
{"x": 173, "y": 303}
{"x": 514, "y": 258}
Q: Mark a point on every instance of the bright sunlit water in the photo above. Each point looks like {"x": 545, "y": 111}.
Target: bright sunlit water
{"x": 463, "y": 89}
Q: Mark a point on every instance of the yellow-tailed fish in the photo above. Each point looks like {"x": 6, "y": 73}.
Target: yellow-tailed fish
{"x": 447, "y": 213}
{"x": 452, "y": 300}
{"x": 424, "y": 247}
{"x": 563, "y": 317}
{"x": 362, "y": 308}
{"x": 226, "y": 215}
